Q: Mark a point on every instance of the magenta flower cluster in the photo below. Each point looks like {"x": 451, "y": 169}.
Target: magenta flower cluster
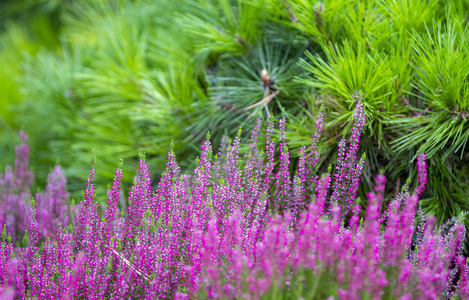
{"x": 239, "y": 226}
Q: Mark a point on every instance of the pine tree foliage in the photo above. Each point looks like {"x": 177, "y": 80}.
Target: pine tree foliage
{"x": 440, "y": 60}
{"x": 17, "y": 40}
{"x": 373, "y": 81}
{"x": 224, "y": 26}
{"x": 260, "y": 82}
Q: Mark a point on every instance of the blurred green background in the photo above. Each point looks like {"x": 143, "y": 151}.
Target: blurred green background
{"x": 123, "y": 77}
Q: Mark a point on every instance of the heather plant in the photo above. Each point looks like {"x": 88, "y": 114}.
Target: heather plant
{"x": 239, "y": 226}
{"x": 18, "y": 205}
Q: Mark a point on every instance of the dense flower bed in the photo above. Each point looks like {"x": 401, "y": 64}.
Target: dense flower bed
{"x": 238, "y": 227}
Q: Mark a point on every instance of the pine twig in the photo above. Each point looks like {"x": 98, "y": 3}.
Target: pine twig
{"x": 264, "y": 101}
